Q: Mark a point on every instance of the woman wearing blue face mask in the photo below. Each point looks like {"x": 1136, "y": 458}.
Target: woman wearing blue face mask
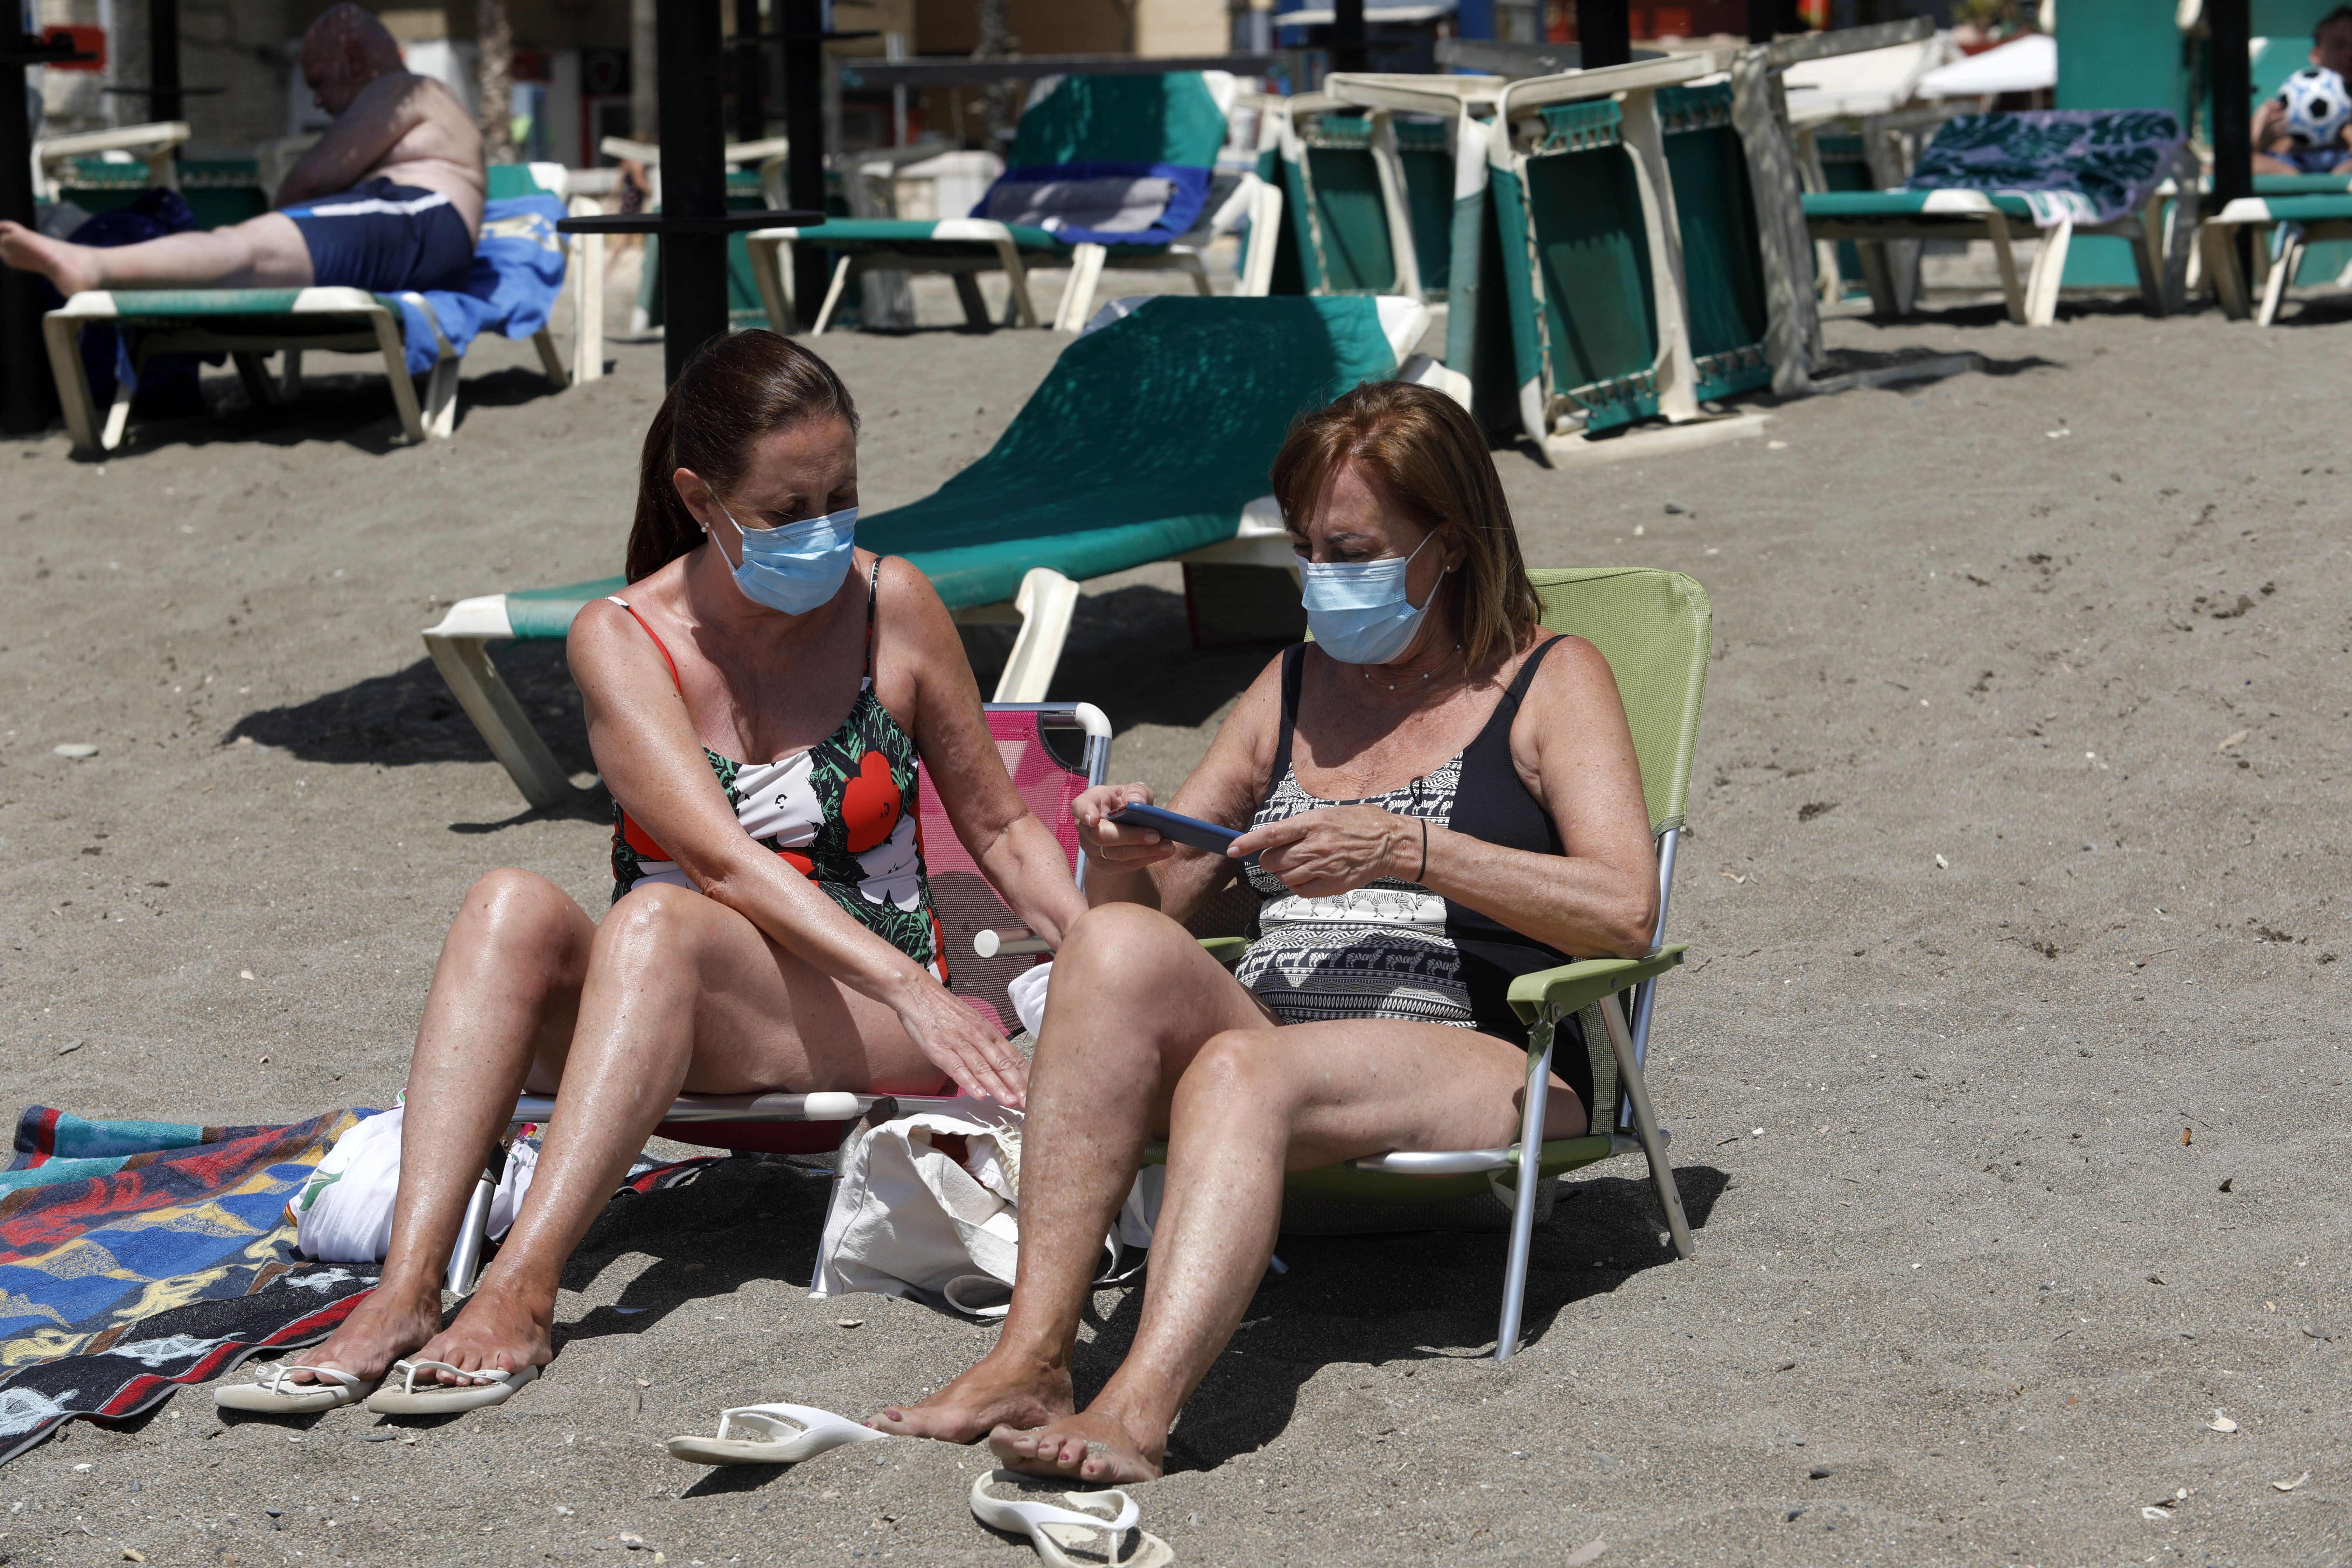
{"x": 1439, "y": 796}
{"x": 758, "y": 700}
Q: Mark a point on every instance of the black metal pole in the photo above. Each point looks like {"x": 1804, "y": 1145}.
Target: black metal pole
{"x": 751, "y": 73}
{"x": 2230, "y": 29}
{"x": 804, "y": 30}
{"x": 1762, "y": 17}
{"x": 1347, "y": 51}
{"x": 1604, "y": 33}
{"x": 163, "y": 58}
{"x": 689, "y": 40}
{"x": 27, "y": 397}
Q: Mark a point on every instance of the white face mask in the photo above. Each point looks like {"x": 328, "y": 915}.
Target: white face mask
{"x": 1360, "y": 612}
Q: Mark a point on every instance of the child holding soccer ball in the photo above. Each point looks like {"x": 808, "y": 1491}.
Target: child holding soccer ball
{"x": 2307, "y": 128}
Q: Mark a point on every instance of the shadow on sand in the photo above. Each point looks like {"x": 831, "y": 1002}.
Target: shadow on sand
{"x": 1406, "y": 1297}
{"x": 355, "y": 409}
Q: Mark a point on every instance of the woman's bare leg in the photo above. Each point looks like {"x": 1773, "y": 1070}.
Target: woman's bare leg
{"x": 1133, "y": 997}
{"x": 681, "y": 992}
{"x": 505, "y": 990}
{"x": 265, "y": 252}
{"x": 1253, "y": 1103}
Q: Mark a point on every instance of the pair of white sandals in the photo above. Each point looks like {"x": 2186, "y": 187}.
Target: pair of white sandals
{"x": 1097, "y": 1530}
{"x": 274, "y": 1393}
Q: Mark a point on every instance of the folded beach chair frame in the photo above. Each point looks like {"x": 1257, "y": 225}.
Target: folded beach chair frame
{"x": 1348, "y": 155}
{"x": 2287, "y": 216}
{"x": 1580, "y": 176}
{"x": 250, "y": 324}
{"x": 1079, "y": 421}
{"x": 963, "y": 248}
{"x": 2161, "y": 232}
{"x": 973, "y": 926}
{"x": 1656, "y": 630}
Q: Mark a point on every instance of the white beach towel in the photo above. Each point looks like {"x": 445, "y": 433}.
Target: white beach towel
{"x": 907, "y": 1220}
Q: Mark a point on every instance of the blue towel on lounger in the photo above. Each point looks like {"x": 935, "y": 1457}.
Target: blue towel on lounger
{"x": 517, "y": 272}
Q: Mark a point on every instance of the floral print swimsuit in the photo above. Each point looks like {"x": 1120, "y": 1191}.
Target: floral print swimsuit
{"x": 842, "y": 812}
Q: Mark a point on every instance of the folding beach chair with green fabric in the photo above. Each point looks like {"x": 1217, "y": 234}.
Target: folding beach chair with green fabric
{"x": 1106, "y": 171}
{"x": 1150, "y": 440}
{"x": 1655, "y": 628}
{"x": 2060, "y": 173}
{"x": 1616, "y": 317}
{"x": 249, "y": 324}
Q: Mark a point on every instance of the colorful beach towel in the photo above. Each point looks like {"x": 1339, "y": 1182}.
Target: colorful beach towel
{"x": 2091, "y": 165}
{"x": 139, "y": 1255}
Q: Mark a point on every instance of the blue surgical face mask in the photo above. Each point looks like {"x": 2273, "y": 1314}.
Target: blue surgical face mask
{"x": 797, "y": 567}
{"x": 1359, "y": 611}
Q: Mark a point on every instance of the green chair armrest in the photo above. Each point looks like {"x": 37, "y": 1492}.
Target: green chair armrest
{"x": 1225, "y": 949}
{"x": 1573, "y": 987}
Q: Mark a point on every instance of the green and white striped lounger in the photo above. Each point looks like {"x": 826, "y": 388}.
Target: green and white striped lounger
{"x": 2159, "y": 240}
{"x": 1082, "y": 130}
{"x": 2293, "y": 223}
{"x": 249, "y": 324}
{"x": 1150, "y": 440}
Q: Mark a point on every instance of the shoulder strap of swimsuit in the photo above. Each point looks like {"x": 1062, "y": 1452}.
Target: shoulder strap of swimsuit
{"x": 1293, "y": 666}
{"x": 873, "y": 584}
{"x": 658, "y": 642}
{"x": 1527, "y": 675}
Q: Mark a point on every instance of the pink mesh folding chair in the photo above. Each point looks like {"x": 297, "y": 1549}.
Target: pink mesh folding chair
{"x": 1053, "y": 752}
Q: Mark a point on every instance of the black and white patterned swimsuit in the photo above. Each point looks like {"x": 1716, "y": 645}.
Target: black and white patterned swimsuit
{"x": 1394, "y": 949}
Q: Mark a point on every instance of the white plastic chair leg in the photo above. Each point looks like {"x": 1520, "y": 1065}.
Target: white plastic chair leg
{"x": 2048, "y": 274}
{"x": 1045, "y": 603}
{"x": 64, "y": 336}
{"x": 1079, "y": 294}
{"x": 832, "y": 297}
{"x": 2282, "y": 273}
{"x": 464, "y": 664}
{"x": 441, "y": 396}
{"x": 2005, "y": 256}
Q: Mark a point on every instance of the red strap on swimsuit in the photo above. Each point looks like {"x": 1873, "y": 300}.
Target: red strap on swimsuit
{"x": 658, "y": 642}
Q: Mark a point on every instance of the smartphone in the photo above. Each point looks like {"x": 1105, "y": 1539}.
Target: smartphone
{"x": 1176, "y": 828}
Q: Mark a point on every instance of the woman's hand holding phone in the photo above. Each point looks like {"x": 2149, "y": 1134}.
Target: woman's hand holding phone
{"x": 1118, "y": 844}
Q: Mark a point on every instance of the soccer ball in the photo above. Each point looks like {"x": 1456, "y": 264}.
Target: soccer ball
{"x": 2317, "y": 105}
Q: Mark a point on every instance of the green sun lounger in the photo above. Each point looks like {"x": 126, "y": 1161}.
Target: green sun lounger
{"x": 2160, "y": 228}
{"x": 1084, "y": 134}
{"x": 1150, "y": 440}
{"x": 2289, "y": 216}
{"x": 249, "y": 324}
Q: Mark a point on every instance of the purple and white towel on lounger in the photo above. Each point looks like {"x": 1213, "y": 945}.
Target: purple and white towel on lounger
{"x": 2087, "y": 165}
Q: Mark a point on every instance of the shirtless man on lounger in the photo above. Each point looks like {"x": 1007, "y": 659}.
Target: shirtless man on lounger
{"x": 391, "y": 198}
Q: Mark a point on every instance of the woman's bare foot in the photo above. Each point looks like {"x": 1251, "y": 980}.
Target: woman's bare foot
{"x": 989, "y": 1397}
{"x": 69, "y": 267}
{"x": 380, "y": 1331}
{"x": 497, "y": 1332}
{"x": 1093, "y": 1446}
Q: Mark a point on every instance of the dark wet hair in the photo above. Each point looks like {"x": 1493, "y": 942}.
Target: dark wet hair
{"x": 2342, "y": 14}
{"x": 736, "y": 390}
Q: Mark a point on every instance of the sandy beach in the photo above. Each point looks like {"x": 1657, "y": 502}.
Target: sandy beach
{"x": 2002, "y": 1078}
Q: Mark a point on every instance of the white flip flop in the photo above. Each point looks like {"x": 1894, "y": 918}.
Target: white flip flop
{"x": 274, "y": 1395}
{"x": 773, "y": 1435}
{"x": 1096, "y": 1530}
{"x": 445, "y": 1399}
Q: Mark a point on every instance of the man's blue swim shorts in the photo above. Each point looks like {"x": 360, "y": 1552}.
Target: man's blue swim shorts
{"x": 2314, "y": 159}
{"x": 385, "y": 238}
